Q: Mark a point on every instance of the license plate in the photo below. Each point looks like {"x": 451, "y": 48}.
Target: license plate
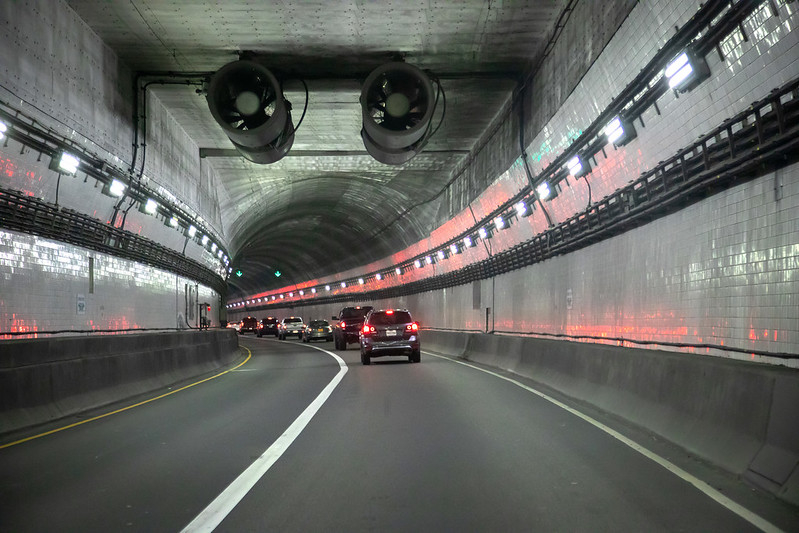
{"x": 391, "y": 333}
{"x": 320, "y": 330}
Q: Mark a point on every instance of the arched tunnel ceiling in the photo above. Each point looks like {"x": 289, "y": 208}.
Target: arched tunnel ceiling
{"x": 328, "y": 206}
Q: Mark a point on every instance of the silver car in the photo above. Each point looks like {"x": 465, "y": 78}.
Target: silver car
{"x": 291, "y": 325}
{"x": 317, "y": 330}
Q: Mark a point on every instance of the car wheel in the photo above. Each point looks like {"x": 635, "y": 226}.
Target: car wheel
{"x": 365, "y": 359}
{"x": 416, "y": 356}
{"x": 259, "y": 334}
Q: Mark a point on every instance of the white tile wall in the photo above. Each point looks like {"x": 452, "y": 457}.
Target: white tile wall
{"x": 42, "y": 281}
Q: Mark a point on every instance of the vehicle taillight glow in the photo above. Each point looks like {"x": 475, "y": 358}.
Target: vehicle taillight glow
{"x": 412, "y": 327}
{"x": 368, "y": 329}
{"x": 389, "y": 312}
{"x": 342, "y": 324}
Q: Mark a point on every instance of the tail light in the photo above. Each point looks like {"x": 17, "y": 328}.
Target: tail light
{"x": 367, "y": 329}
{"x": 342, "y": 325}
{"x": 412, "y": 327}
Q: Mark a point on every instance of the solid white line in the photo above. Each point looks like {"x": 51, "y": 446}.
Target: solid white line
{"x": 213, "y": 515}
{"x": 744, "y": 513}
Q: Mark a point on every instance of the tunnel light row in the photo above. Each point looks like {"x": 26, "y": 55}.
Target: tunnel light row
{"x": 683, "y": 73}
{"x": 67, "y": 163}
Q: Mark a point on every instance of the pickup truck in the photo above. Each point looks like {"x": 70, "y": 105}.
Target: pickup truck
{"x": 291, "y": 325}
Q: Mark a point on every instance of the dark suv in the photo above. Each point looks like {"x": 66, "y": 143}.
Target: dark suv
{"x": 350, "y": 320}
{"x": 249, "y": 324}
{"x": 268, "y": 326}
{"x": 390, "y": 332}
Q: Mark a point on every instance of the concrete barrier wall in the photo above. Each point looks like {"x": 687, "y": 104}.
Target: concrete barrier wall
{"x": 45, "y": 379}
{"x": 737, "y": 415}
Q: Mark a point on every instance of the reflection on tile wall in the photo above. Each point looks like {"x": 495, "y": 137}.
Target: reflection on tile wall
{"x": 52, "y": 286}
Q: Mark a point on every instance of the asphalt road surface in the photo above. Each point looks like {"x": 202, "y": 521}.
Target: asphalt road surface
{"x": 434, "y": 446}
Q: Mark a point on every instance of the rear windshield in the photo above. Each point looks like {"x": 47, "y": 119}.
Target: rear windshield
{"x": 318, "y": 323}
{"x": 292, "y": 319}
{"x": 385, "y": 319}
{"x": 269, "y": 321}
{"x": 249, "y": 320}
{"x": 351, "y": 312}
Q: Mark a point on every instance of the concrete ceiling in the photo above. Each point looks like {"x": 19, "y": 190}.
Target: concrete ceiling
{"x": 328, "y": 206}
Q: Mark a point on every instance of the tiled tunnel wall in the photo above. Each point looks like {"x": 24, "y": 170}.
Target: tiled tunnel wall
{"x": 718, "y": 272}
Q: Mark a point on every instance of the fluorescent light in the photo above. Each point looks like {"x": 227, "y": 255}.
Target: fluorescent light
{"x": 619, "y": 131}
{"x": 483, "y": 233}
{"x": 173, "y": 222}
{"x": 418, "y": 263}
{"x": 343, "y": 284}
{"x": 499, "y": 222}
{"x": 291, "y": 295}
{"x": 360, "y": 281}
{"x": 686, "y": 71}
{"x": 151, "y": 206}
{"x": 398, "y": 271}
{"x": 281, "y": 296}
{"x": 327, "y": 288}
{"x": 378, "y": 276}
{"x": 219, "y": 254}
{"x": 313, "y": 290}
{"x": 193, "y": 231}
{"x": 429, "y": 259}
{"x": 453, "y": 248}
{"x": 302, "y": 292}
{"x": 213, "y": 247}
{"x": 468, "y": 242}
{"x": 677, "y": 65}
{"x": 67, "y": 163}
{"x": 117, "y": 188}
{"x": 205, "y": 240}
{"x": 543, "y": 190}
{"x": 442, "y": 254}
{"x": 3, "y": 129}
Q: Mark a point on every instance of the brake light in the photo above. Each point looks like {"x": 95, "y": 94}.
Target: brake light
{"x": 367, "y": 329}
{"x": 390, "y": 312}
{"x": 412, "y": 327}
{"x": 342, "y": 325}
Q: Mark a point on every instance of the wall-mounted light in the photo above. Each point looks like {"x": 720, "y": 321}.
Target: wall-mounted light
{"x": 273, "y": 298}
{"x": 378, "y": 276}
{"x": 441, "y": 255}
{"x": 418, "y": 263}
{"x": 620, "y": 131}
{"x": 173, "y": 221}
{"x": 282, "y": 297}
{"x": 686, "y": 71}
{"x": 313, "y": 290}
{"x": 219, "y": 254}
{"x": 65, "y": 163}
{"x": 500, "y": 222}
{"x": 360, "y": 281}
{"x": 192, "y": 231}
{"x": 468, "y": 241}
{"x": 150, "y": 207}
{"x": 213, "y": 247}
{"x": 205, "y": 240}
{"x": 3, "y": 129}
{"x": 454, "y": 249}
{"x": 343, "y": 284}
{"x": 484, "y": 233}
{"x": 398, "y": 271}
{"x": 429, "y": 260}
{"x": 545, "y": 192}
{"x": 578, "y": 167}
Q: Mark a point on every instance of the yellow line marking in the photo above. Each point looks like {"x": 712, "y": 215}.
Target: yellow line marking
{"x": 249, "y": 355}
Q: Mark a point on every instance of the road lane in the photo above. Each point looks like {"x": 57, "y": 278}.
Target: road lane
{"x": 153, "y": 468}
{"x": 397, "y": 446}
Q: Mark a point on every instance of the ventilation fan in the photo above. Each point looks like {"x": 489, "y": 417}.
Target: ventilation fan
{"x": 247, "y": 101}
{"x": 397, "y": 102}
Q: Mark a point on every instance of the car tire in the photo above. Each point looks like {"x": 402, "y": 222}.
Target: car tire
{"x": 416, "y": 356}
{"x": 365, "y": 359}
{"x": 259, "y": 334}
